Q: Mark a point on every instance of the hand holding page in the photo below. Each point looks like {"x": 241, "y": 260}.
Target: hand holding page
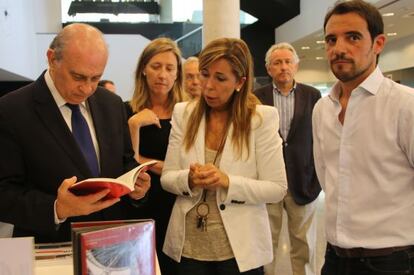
{"x": 118, "y": 187}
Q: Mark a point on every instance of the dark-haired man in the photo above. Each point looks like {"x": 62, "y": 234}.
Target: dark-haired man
{"x": 364, "y": 151}
{"x": 61, "y": 129}
{"x": 107, "y": 84}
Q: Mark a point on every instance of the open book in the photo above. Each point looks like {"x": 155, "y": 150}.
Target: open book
{"x": 118, "y": 187}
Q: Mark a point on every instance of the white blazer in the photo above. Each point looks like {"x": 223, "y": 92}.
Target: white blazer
{"x": 254, "y": 181}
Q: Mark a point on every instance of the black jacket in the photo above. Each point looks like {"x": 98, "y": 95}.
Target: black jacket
{"x": 38, "y": 151}
{"x": 303, "y": 183}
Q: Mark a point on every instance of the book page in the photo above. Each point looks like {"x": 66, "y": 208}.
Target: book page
{"x": 53, "y": 250}
{"x": 133, "y": 174}
{"x": 118, "y": 187}
{"x": 17, "y": 256}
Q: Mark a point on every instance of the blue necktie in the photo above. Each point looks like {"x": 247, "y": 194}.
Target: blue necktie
{"x": 80, "y": 131}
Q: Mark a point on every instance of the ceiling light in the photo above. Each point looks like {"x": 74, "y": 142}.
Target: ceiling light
{"x": 319, "y": 58}
{"x": 133, "y": 7}
{"x": 305, "y": 48}
{"x": 320, "y": 42}
{"x": 408, "y": 15}
{"x": 391, "y": 34}
{"x": 388, "y": 14}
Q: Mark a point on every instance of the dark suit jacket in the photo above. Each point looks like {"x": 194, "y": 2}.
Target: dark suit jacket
{"x": 38, "y": 151}
{"x": 303, "y": 183}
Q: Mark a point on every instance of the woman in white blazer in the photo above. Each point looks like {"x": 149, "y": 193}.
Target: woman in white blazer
{"x": 224, "y": 162}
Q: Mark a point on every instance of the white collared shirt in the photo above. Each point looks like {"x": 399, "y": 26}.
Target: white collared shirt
{"x": 365, "y": 166}
{"x": 67, "y": 115}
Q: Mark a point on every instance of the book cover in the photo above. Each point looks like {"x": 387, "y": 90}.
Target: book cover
{"x": 53, "y": 250}
{"x": 114, "y": 247}
{"x": 118, "y": 187}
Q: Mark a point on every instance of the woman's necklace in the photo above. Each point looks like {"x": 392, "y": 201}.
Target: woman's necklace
{"x": 202, "y": 208}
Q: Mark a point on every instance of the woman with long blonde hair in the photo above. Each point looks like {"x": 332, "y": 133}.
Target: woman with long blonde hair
{"x": 224, "y": 162}
{"x": 158, "y": 87}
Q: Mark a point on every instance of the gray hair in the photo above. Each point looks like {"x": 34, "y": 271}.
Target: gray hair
{"x": 58, "y": 44}
{"x": 191, "y": 59}
{"x": 281, "y": 46}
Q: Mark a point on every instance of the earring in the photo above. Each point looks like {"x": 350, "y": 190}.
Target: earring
{"x": 238, "y": 90}
{"x": 144, "y": 74}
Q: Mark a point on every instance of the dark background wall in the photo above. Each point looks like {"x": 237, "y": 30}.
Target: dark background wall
{"x": 8, "y": 86}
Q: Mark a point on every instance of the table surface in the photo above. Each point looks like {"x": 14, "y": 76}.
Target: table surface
{"x": 61, "y": 266}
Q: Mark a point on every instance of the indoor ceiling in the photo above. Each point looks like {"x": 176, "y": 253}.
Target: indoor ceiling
{"x": 399, "y": 25}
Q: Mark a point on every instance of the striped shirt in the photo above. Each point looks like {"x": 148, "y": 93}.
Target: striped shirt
{"x": 286, "y": 107}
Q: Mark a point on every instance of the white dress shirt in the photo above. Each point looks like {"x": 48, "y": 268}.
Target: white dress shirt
{"x": 365, "y": 166}
{"x": 67, "y": 116}
{"x": 67, "y": 113}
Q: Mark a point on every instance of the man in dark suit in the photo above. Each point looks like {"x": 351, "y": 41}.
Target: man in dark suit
{"x": 295, "y": 103}
{"x": 40, "y": 158}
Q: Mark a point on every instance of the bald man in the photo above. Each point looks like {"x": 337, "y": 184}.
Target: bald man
{"x": 40, "y": 154}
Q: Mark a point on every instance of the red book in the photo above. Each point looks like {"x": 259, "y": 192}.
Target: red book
{"x": 114, "y": 247}
{"x": 118, "y": 187}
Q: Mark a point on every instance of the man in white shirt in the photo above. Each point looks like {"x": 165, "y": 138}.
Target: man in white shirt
{"x": 364, "y": 151}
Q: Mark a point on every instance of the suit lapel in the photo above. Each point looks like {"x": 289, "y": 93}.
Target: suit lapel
{"x": 268, "y": 96}
{"x": 100, "y": 132}
{"x": 298, "y": 111}
{"x": 52, "y": 119}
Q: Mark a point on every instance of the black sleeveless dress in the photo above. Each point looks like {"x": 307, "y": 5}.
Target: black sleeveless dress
{"x": 153, "y": 143}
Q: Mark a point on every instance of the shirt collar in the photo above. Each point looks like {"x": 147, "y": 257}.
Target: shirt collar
{"x": 60, "y": 101}
{"x": 371, "y": 84}
{"x": 276, "y": 89}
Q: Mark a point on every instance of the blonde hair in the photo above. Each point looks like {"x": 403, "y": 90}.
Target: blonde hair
{"x": 242, "y": 103}
{"x": 141, "y": 97}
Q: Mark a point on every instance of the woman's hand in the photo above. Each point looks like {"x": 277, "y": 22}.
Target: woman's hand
{"x": 207, "y": 176}
{"x": 141, "y": 187}
{"x": 144, "y": 118}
